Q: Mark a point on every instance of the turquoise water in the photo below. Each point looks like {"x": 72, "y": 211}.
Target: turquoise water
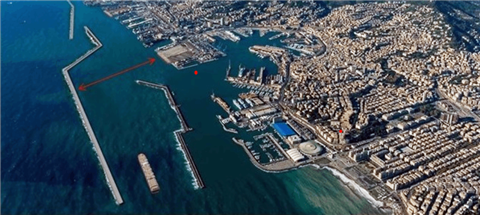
{"x": 48, "y": 165}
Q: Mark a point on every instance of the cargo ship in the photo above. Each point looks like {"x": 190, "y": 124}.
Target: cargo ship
{"x": 148, "y": 172}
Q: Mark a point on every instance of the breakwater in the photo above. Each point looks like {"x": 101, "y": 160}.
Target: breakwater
{"x": 171, "y": 101}
{"x": 86, "y": 123}
{"x": 95, "y": 41}
{"x": 72, "y": 20}
{"x": 178, "y": 134}
{"x": 191, "y": 163}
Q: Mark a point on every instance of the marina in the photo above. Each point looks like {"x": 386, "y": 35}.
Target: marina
{"x": 277, "y": 166}
{"x": 148, "y": 173}
{"x": 86, "y": 123}
{"x": 178, "y": 134}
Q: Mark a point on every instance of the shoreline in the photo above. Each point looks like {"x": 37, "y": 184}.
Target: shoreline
{"x": 346, "y": 181}
{"x": 353, "y": 185}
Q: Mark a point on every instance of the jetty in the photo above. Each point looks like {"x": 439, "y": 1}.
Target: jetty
{"x": 148, "y": 172}
{"x": 86, "y": 123}
{"x": 178, "y": 134}
{"x": 171, "y": 101}
{"x": 72, "y": 18}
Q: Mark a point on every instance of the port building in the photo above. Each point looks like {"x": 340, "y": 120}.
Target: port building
{"x": 295, "y": 155}
{"x": 310, "y": 147}
{"x": 283, "y": 129}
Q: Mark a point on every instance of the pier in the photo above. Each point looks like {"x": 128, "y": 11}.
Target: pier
{"x": 171, "y": 101}
{"x": 178, "y": 134}
{"x": 72, "y": 18}
{"x": 231, "y": 130}
{"x": 86, "y": 123}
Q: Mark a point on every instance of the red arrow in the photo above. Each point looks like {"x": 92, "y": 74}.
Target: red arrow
{"x": 83, "y": 87}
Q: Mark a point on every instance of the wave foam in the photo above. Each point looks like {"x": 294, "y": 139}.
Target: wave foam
{"x": 352, "y": 184}
{"x": 187, "y": 163}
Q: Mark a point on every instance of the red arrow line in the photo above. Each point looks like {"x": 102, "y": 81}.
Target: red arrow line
{"x": 83, "y": 87}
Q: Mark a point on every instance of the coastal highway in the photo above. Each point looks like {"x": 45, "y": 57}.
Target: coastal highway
{"x": 86, "y": 123}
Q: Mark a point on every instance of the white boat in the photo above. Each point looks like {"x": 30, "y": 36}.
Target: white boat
{"x": 242, "y": 103}
{"x": 235, "y": 102}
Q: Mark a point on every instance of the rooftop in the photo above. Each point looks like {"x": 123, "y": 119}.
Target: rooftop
{"x": 283, "y": 129}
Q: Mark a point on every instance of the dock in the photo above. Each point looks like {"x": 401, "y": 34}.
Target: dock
{"x": 86, "y": 123}
{"x": 72, "y": 19}
{"x": 178, "y": 134}
{"x": 148, "y": 172}
{"x": 171, "y": 101}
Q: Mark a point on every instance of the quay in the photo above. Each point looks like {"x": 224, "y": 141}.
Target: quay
{"x": 178, "y": 134}
{"x": 276, "y": 36}
{"x": 171, "y": 101}
{"x": 72, "y": 18}
{"x": 86, "y": 123}
{"x": 148, "y": 172}
{"x": 179, "y": 67}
